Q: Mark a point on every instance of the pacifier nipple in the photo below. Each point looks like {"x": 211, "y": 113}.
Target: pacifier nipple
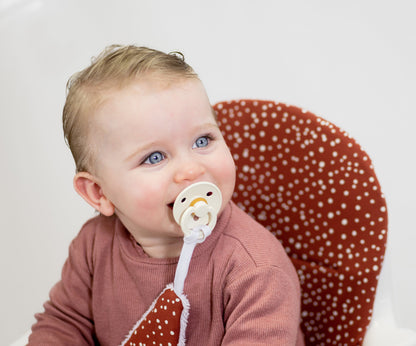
{"x": 197, "y": 205}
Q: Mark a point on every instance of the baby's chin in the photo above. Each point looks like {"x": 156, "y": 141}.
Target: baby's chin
{"x": 175, "y": 228}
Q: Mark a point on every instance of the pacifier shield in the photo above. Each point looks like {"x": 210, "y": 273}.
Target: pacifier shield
{"x": 197, "y": 205}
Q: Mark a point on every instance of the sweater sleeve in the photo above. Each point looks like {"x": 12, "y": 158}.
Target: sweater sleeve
{"x": 67, "y": 318}
{"x": 262, "y": 307}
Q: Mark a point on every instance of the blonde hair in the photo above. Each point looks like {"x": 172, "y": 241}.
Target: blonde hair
{"x": 115, "y": 67}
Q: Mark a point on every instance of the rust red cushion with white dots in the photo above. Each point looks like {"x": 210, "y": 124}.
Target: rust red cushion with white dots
{"x": 314, "y": 187}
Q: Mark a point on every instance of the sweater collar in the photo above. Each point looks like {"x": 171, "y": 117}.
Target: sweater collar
{"x": 135, "y": 252}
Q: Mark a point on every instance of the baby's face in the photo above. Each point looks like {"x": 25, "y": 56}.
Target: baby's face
{"x": 152, "y": 142}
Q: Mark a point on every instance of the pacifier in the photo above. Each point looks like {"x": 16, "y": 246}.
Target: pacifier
{"x": 197, "y": 205}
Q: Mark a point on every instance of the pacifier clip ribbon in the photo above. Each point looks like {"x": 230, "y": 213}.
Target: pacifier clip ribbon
{"x": 164, "y": 323}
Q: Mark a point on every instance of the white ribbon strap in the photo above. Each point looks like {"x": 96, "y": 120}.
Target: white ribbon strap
{"x": 189, "y": 243}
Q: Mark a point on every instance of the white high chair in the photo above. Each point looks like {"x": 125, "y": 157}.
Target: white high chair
{"x": 314, "y": 187}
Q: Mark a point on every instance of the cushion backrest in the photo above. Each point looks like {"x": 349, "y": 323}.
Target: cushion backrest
{"x": 314, "y": 187}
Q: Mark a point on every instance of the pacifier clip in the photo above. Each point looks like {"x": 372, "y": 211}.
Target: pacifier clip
{"x": 164, "y": 323}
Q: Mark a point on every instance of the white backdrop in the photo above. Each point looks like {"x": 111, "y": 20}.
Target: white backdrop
{"x": 350, "y": 62}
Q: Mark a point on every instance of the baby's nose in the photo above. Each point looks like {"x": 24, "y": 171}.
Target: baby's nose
{"x": 189, "y": 171}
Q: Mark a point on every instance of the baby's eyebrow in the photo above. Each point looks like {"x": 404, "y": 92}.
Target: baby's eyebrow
{"x": 145, "y": 148}
{"x": 208, "y": 125}
{"x": 149, "y": 146}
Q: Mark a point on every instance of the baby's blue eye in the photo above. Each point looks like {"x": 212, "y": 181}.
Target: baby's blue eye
{"x": 154, "y": 158}
{"x": 201, "y": 142}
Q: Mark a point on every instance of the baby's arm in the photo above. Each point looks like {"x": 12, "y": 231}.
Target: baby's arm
{"x": 67, "y": 319}
{"x": 263, "y": 308}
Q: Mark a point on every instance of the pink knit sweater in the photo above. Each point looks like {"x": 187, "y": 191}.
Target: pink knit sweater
{"x": 242, "y": 288}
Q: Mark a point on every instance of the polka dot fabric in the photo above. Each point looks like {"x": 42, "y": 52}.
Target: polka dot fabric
{"x": 160, "y": 325}
{"x": 314, "y": 187}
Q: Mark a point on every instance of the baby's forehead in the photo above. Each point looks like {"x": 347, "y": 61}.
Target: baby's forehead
{"x": 140, "y": 90}
{"x": 148, "y": 84}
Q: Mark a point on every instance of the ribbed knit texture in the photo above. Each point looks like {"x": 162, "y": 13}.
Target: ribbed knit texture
{"x": 241, "y": 286}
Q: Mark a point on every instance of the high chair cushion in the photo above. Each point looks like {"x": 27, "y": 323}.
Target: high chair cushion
{"x": 315, "y": 189}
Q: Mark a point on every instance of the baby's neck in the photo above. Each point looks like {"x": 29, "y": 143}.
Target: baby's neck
{"x": 170, "y": 250}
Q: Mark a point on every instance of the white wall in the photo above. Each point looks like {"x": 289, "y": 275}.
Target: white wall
{"x": 351, "y": 62}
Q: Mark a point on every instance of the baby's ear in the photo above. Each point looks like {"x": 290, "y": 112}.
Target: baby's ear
{"x": 87, "y": 187}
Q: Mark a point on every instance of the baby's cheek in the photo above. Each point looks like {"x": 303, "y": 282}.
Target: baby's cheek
{"x": 229, "y": 168}
{"x": 228, "y": 174}
{"x": 149, "y": 196}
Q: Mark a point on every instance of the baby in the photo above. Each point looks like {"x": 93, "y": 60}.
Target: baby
{"x": 141, "y": 129}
